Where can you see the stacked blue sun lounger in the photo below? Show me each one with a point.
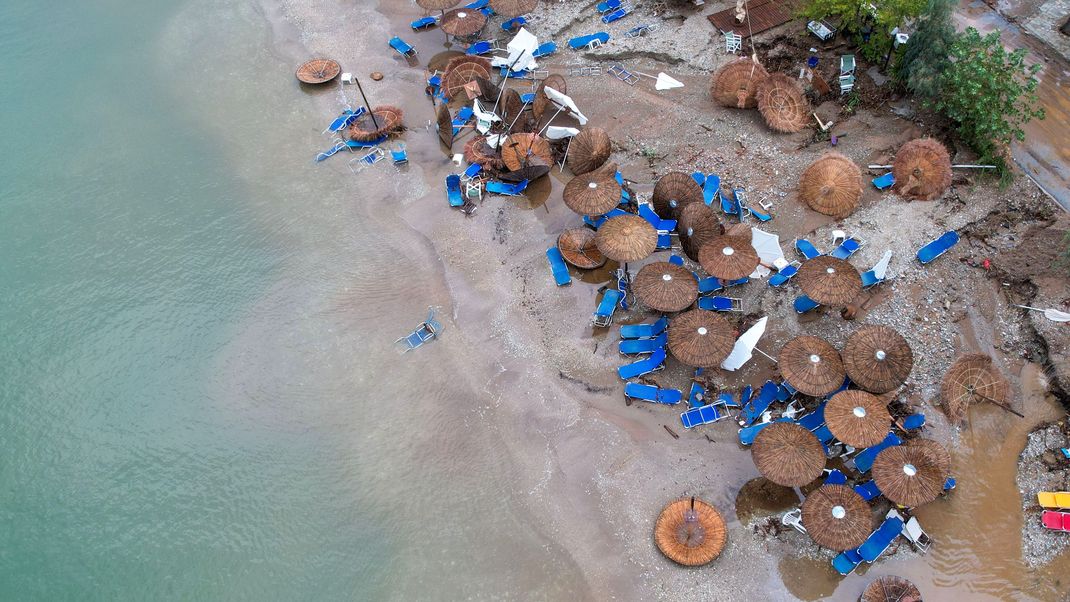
(590, 41)
(603, 315)
(643, 331)
(785, 274)
(558, 267)
(402, 47)
(871, 549)
(720, 304)
(863, 460)
(638, 346)
(848, 247)
(646, 366)
(938, 247)
(652, 393)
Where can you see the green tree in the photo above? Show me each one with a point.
(926, 54)
(868, 24)
(988, 93)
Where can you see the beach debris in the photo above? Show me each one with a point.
(788, 454)
(971, 379)
(380, 121)
(728, 257)
(588, 151)
(563, 102)
(908, 475)
(877, 358)
(427, 330)
(857, 418)
(578, 248)
(526, 150)
(594, 193)
(782, 103)
(891, 588)
(922, 169)
(437, 4)
(1052, 314)
(736, 83)
(836, 517)
(623, 75)
(690, 532)
(745, 345)
(663, 81)
(318, 71)
(376, 75)
(811, 365)
(484, 119)
(700, 338)
(626, 238)
(673, 192)
(832, 185)
(555, 132)
(665, 287)
(479, 151)
(671, 432)
(444, 125)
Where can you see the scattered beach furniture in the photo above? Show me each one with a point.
(863, 461)
(814, 420)
(603, 315)
(1066, 452)
(709, 284)
(807, 248)
(729, 205)
(426, 331)
(471, 171)
(707, 414)
(1056, 521)
(638, 346)
(402, 47)
(711, 188)
(747, 434)
(529, 98)
(884, 182)
(344, 120)
(545, 49)
(846, 562)
(643, 331)
(623, 74)
(677, 260)
(803, 304)
(651, 364)
(514, 23)
(338, 145)
(914, 421)
(917, 536)
(881, 539)
(652, 393)
(399, 156)
(453, 190)
(835, 477)
(661, 225)
(938, 247)
(848, 247)
(617, 14)
(624, 280)
(720, 304)
(822, 30)
(372, 157)
(589, 41)
(424, 23)
(482, 47)
(597, 222)
(756, 406)
(869, 279)
(785, 272)
(847, 73)
(558, 267)
(355, 144)
(664, 241)
(868, 490)
(506, 189)
(733, 42)
(608, 5)
(462, 118)
(793, 519)
(639, 30)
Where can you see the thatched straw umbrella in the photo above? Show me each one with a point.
(690, 532)
(513, 8)
(972, 378)
(626, 238)
(830, 281)
(832, 185)
(836, 517)
(857, 418)
(462, 22)
(437, 4)
(461, 70)
(877, 358)
(936, 452)
(697, 225)
(908, 475)
(534, 170)
(735, 84)
(891, 588)
(728, 257)
(673, 192)
(387, 121)
(445, 125)
(700, 338)
(578, 248)
(783, 104)
(593, 193)
(555, 81)
(478, 151)
(811, 365)
(922, 169)
(589, 150)
(518, 150)
(665, 287)
(788, 454)
(512, 105)
(318, 71)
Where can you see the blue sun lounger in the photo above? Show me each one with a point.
(355, 144)
(879, 540)
(835, 477)
(404, 48)
(653, 394)
(824, 435)
(803, 304)
(339, 145)
(558, 267)
(709, 284)
(514, 23)
(545, 49)
(608, 5)
(495, 187)
(711, 187)
(756, 406)
(864, 459)
(616, 15)
(477, 5)
(938, 247)
(677, 260)
(590, 41)
(661, 225)
(453, 190)
(914, 421)
(699, 177)
(623, 282)
(637, 346)
(462, 118)
(868, 490)
(808, 250)
(346, 119)
(720, 304)
(846, 561)
(814, 420)
(596, 222)
(701, 415)
(848, 247)
(646, 366)
(884, 182)
(527, 98)
(785, 274)
(471, 171)
(424, 23)
(400, 156)
(480, 47)
(603, 315)
(426, 331)
(726, 400)
(747, 435)
(696, 397)
(643, 331)
(729, 206)
(869, 278)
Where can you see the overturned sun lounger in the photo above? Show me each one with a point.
(938, 247)
(426, 331)
(884, 182)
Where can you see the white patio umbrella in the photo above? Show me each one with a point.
(768, 247)
(1052, 314)
(743, 350)
(521, 50)
(881, 267)
(554, 132)
(564, 103)
(484, 119)
(664, 82)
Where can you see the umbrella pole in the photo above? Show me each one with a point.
(520, 112)
(771, 358)
(366, 103)
(1001, 404)
(566, 151)
(559, 109)
(505, 80)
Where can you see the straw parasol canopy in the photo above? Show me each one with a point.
(626, 238)
(782, 103)
(972, 378)
(478, 151)
(857, 418)
(811, 365)
(445, 125)
(387, 121)
(318, 71)
(836, 517)
(555, 81)
(518, 150)
(534, 170)
(690, 532)
(673, 192)
(832, 185)
(461, 70)
(830, 281)
(936, 452)
(437, 4)
(513, 8)
(877, 358)
(589, 150)
(735, 84)
(698, 225)
(788, 454)
(701, 338)
(665, 287)
(908, 475)
(512, 105)
(891, 588)
(728, 257)
(463, 21)
(922, 169)
(578, 248)
(593, 193)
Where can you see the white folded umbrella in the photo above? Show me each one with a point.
(496, 140)
(769, 251)
(565, 103)
(521, 50)
(1052, 314)
(554, 132)
(881, 268)
(484, 119)
(743, 350)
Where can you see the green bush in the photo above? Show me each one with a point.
(867, 24)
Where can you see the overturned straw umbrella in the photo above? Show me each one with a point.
(541, 102)
(697, 225)
(728, 257)
(830, 281)
(437, 4)
(922, 169)
(788, 454)
(512, 105)
(674, 191)
(782, 103)
(589, 150)
(811, 365)
(690, 532)
(936, 452)
(593, 193)
(462, 70)
(832, 185)
(462, 22)
(908, 475)
(386, 120)
(877, 358)
(318, 71)
(626, 238)
(891, 588)
(478, 151)
(735, 84)
(518, 150)
(836, 517)
(444, 124)
(665, 287)
(857, 418)
(513, 8)
(578, 248)
(700, 338)
(972, 378)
